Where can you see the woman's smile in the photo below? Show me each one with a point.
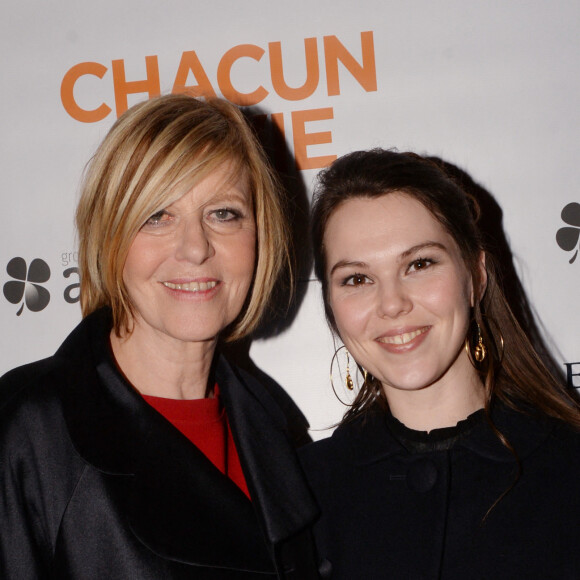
(195, 286)
(402, 342)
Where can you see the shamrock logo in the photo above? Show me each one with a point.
(26, 284)
(567, 238)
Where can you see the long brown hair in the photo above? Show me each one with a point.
(512, 372)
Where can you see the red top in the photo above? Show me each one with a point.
(204, 423)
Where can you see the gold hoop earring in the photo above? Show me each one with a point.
(334, 356)
(479, 352)
(349, 383)
(349, 379)
(476, 348)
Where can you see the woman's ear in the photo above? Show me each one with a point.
(482, 280)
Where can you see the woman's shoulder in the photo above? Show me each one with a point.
(566, 437)
(339, 448)
(321, 462)
(31, 401)
(47, 377)
(535, 438)
(34, 437)
(27, 380)
(524, 421)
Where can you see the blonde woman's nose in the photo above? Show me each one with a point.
(193, 243)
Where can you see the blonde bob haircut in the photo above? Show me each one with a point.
(155, 153)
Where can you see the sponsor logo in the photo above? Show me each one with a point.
(568, 236)
(26, 287)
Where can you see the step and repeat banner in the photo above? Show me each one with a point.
(490, 87)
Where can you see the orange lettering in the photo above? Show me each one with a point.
(312, 71)
(366, 74)
(224, 75)
(302, 139)
(123, 87)
(190, 62)
(67, 92)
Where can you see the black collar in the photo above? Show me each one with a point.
(372, 440)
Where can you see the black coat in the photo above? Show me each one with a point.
(390, 513)
(95, 484)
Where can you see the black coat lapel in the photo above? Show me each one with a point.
(269, 461)
(371, 441)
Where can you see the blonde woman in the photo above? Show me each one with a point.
(137, 450)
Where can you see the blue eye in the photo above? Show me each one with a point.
(225, 214)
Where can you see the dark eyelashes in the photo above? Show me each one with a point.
(427, 262)
(156, 217)
(222, 214)
(352, 277)
(236, 214)
(416, 265)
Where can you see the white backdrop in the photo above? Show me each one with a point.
(490, 86)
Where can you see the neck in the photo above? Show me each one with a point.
(163, 367)
(442, 404)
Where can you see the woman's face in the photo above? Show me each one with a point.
(190, 266)
(399, 291)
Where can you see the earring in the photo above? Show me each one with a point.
(349, 383)
(479, 352)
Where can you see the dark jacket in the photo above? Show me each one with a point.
(94, 483)
(391, 513)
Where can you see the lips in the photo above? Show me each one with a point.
(192, 286)
(403, 338)
(403, 342)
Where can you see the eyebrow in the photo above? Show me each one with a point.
(422, 246)
(403, 256)
(347, 264)
(235, 193)
(228, 195)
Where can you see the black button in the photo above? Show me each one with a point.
(422, 475)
